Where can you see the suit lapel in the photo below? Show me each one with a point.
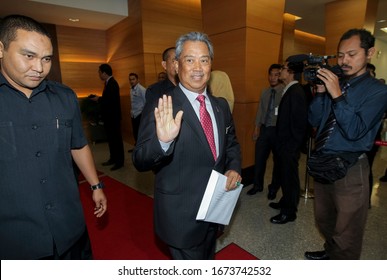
(219, 122)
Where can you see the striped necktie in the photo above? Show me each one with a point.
(329, 126)
(206, 123)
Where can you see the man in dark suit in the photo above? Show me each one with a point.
(157, 90)
(291, 129)
(176, 148)
(111, 115)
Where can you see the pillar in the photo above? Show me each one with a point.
(341, 16)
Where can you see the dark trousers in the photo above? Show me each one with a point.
(263, 146)
(136, 126)
(203, 251)
(81, 250)
(290, 182)
(116, 145)
(341, 212)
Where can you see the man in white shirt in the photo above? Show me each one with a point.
(137, 97)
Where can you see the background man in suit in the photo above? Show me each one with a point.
(291, 128)
(176, 148)
(156, 90)
(161, 76)
(111, 115)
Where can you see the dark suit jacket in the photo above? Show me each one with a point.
(110, 102)
(153, 93)
(183, 171)
(292, 119)
(157, 90)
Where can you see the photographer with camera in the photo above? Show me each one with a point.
(347, 113)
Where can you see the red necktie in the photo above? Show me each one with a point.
(206, 122)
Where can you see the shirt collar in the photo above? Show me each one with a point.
(355, 79)
(289, 85)
(192, 95)
(42, 86)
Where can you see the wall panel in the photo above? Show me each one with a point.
(219, 16)
(265, 15)
(82, 77)
(309, 43)
(335, 25)
(81, 51)
(258, 60)
(81, 44)
(229, 55)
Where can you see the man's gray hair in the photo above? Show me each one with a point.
(194, 36)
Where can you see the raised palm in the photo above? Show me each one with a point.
(167, 127)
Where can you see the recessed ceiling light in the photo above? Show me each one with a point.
(74, 19)
(382, 20)
(384, 29)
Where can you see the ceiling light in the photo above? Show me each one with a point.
(384, 29)
(382, 20)
(74, 19)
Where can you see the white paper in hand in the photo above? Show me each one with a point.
(218, 204)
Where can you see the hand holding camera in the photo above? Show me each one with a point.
(329, 81)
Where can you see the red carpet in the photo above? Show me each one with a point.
(125, 232)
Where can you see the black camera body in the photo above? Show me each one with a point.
(313, 63)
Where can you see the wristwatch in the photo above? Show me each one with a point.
(100, 185)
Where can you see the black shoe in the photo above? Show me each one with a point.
(275, 205)
(254, 190)
(107, 163)
(383, 179)
(271, 195)
(316, 255)
(282, 219)
(116, 166)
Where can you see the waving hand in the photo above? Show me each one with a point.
(167, 127)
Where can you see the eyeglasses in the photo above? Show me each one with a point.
(284, 67)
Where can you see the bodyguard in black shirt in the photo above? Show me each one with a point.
(41, 215)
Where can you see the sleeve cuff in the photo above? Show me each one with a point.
(338, 99)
